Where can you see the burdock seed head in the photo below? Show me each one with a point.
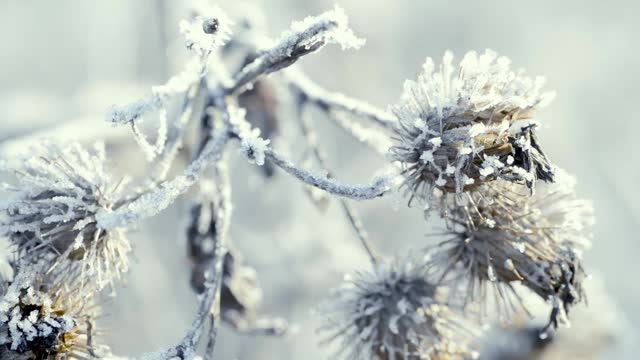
(51, 216)
(462, 126)
(392, 313)
(500, 236)
(42, 322)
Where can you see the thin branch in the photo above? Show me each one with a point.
(213, 335)
(312, 143)
(175, 140)
(377, 188)
(371, 137)
(209, 307)
(302, 38)
(358, 227)
(335, 101)
(85, 129)
(153, 202)
(342, 111)
(187, 347)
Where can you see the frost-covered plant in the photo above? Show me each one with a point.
(461, 126)
(392, 312)
(462, 138)
(50, 215)
(37, 322)
(502, 236)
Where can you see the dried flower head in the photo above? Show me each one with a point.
(51, 216)
(392, 313)
(37, 322)
(501, 236)
(463, 126)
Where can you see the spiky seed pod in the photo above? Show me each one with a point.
(39, 322)
(51, 216)
(392, 313)
(463, 126)
(501, 236)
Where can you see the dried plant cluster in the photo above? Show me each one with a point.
(462, 142)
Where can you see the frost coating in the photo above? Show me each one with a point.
(177, 84)
(254, 147)
(52, 216)
(302, 38)
(330, 27)
(392, 313)
(468, 124)
(503, 236)
(38, 324)
(155, 200)
(378, 187)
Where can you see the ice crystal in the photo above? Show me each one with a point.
(466, 125)
(127, 113)
(392, 312)
(501, 236)
(328, 27)
(254, 147)
(52, 216)
(177, 84)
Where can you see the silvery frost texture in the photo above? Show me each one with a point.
(500, 235)
(40, 322)
(50, 214)
(392, 312)
(462, 139)
(461, 126)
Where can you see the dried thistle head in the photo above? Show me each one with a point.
(463, 126)
(392, 313)
(38, 321)
(501, 236)
(51, 216)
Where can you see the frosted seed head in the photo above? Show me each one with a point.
(533, 240)
(391, 310)
(41, 323)
(51, 218)
(460, 118)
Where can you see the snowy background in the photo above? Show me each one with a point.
(70, 60)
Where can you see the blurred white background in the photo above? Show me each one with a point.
(68, 59)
